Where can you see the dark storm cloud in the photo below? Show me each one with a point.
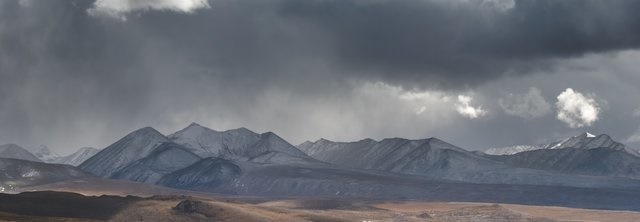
(271, 63)
(468, 42)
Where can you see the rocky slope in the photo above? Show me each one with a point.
(166, 158)
(136, 145)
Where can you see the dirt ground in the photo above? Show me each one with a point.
(177, 205)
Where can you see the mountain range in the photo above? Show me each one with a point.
(242, 162)
(584, 154)
(44, 154)
(583, 141)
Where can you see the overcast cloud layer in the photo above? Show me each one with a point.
(477, 73)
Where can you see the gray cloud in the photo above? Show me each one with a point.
(300, 68)
(449, 42)
(528, 105)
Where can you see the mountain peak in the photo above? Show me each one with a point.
(132, 147)
(441, 144)
(323, 140)
(16, 152)
(589, 135)
(368, 140)
(146, 131)
(242, 130)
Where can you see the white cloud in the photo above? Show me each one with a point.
(528, 105)
(429, 101)
(119, 8)
(465, 109)
(577, 109)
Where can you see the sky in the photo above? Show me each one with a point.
(475, 73)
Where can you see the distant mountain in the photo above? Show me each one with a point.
(46, 155)
(246, 178)
(582, 141)
(583, 154)
(237, 144)
(166, 158)
(77, 157)
(15, 173)
(422, 157)
(434, 158)
(136, 145)
(16, 152)
(229, 177)
(243, 162)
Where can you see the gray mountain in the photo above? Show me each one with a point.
(434, 158)
(77, 157)
(166, 158)
(238, 144)
(136, 145)
(229, 177)
(582, 141)
(16, 152)
(583, 154)
(16, 173)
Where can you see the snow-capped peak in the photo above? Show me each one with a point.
(583, 141)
